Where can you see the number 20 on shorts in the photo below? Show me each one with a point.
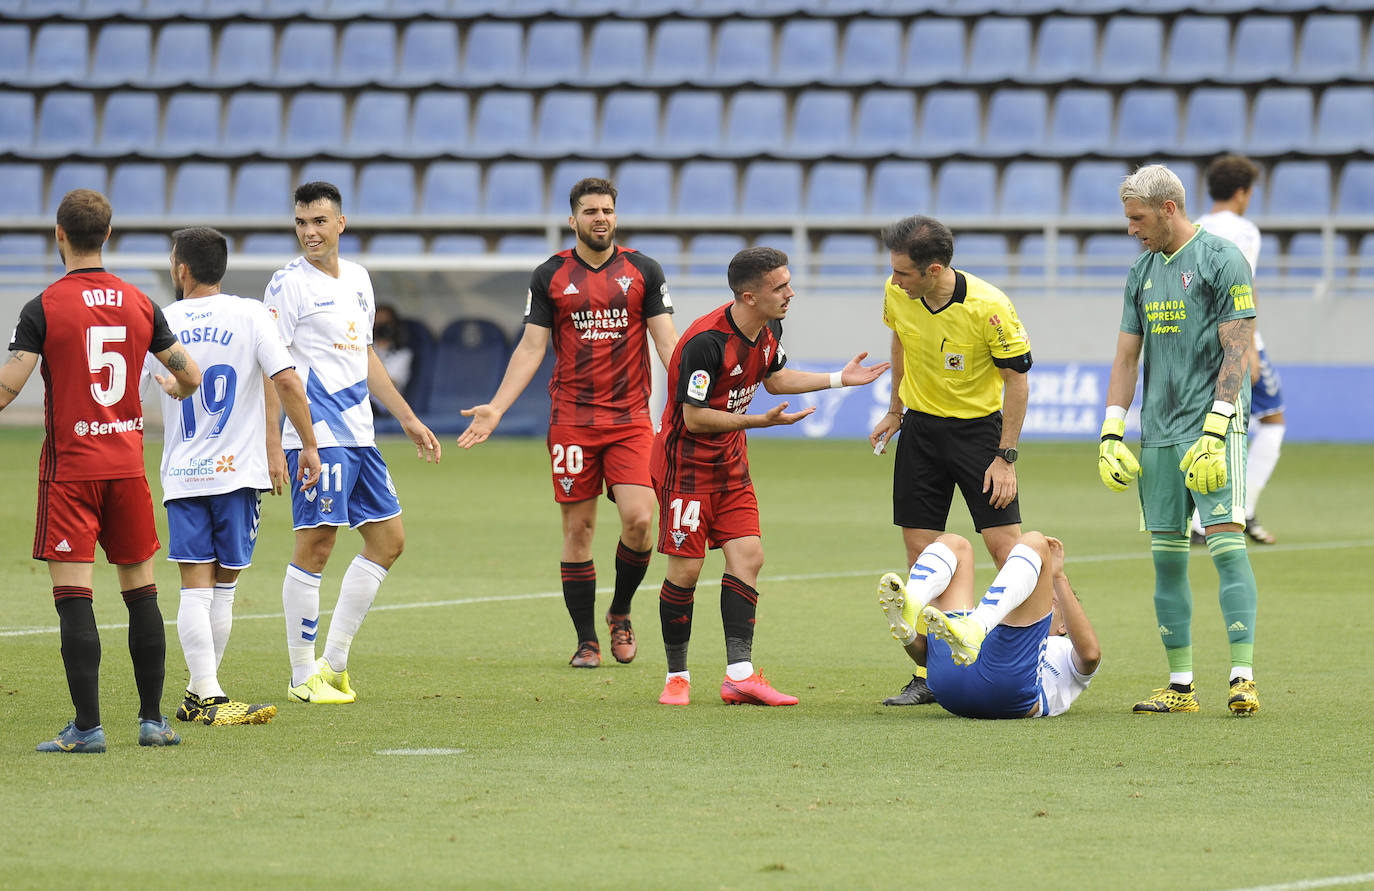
(567, 459)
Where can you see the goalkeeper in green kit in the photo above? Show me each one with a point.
(1189, 315)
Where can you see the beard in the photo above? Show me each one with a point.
(596, 242)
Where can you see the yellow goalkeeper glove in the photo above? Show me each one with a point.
(1205, 461)
(1115, 463)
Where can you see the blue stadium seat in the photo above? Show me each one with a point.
(129, 122)
(1132, 49)
(386, 188)
(663, 248)
(261, 189)
(245, 54)
(629, 122)
(566, 173)
(305, 54)
(1032, 189)
(872, 51)
(1016, 121)
(1264, 48)
(494, 53)
(367, 53)
(706, 188)
(617, 51)
(514, 187)
(744, 52)
(66, 177)
(1067, 48)
(469, 360)
(191, 124)
(396, 243)
(14, 54)
(807, 51)
(458, 244)
(121, 54)
(1365, 269)
(984, 254)
(682, 52)
(1109, 255)
(451, 188)
(1299, 188)
(553, 52)
(1330, 47)
(999, 47)
(692, 121)
(886, 121)
(1355, 192)
(142, 243)
(711, 254)
(757, 121)
(646, 189)
(852, 254)
(782, 241)
(138, 189)
(821, 121)
(899, 188)
(935, 51)
(439, 122)
(950, 122)
(59, 54)
(314, 122)
(965, 188)
(380, 123)
(530, 245)
(1081, 121)
(200, 189)
(183, 53)
(1033, 255)
(566, 122)
(1199, 48)
(1146, 121)
(772, 188)
(16, 120)
(274, 243)
(252, 122)
(1282, 120)
(1345, 119)
(66, 122)
(34, 252)
(340, 173)
(1306, 255)
(836, 189)
(1093, 188)
(21, 187)
(1269, 257)
(429, 53)
(1215, 120)
(503, 121)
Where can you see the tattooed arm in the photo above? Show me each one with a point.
(15, 373)
(1237, 337)
(185, 373)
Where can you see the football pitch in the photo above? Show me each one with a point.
(475, 757)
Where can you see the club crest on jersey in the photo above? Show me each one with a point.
(326, 505)
(225, 464)
(698, 385)
(624, 281)
(678, 537)
(767, 351)
(954, 361)
(1187, 279)
(567, 483)
(352, 330)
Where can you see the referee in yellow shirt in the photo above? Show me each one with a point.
(959, 361)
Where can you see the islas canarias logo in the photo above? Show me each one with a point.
(225, 464)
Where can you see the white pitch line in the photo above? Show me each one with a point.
(419, 751)
(1304, 884)
(799, 577)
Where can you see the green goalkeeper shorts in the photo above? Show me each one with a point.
(1166, 501)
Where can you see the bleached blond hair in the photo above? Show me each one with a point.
(1153, 185)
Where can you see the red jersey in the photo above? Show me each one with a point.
(92, 330)
(713, 366)
(598, 317)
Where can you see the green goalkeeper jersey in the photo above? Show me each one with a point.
(1175, 303)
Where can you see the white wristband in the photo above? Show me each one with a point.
(1116, 413)
(835, 382)
(1224, 408)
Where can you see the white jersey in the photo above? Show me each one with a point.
(1060, 682)
(326, 322)
(215, 441)
(1243, 234)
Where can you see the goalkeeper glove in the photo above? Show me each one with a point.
(1115, 463)
(1205, 461)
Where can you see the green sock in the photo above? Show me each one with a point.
(1180, 659)
(1173, 596)
(1239, 596)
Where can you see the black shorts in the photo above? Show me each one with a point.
(933, 456)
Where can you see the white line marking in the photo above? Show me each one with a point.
(1302, 884)
(706, 583)
(419, 751)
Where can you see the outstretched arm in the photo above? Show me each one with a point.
(854, 374)
(712, 420)
(524, 362)
(185, 373)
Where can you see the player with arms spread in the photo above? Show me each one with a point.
(93, 331)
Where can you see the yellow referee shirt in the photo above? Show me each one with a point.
(950, 355)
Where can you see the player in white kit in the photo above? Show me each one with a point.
(214, 460)
(324, 307)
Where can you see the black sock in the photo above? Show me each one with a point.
(80, 652)
(738, 606)
(147, 649)
(630, 567)
(675, 617)
(579, 596)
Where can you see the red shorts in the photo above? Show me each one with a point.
(689, 523)
(587, 460)
(73, 516)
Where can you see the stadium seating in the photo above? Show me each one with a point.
(191, 125)
(129, 123)
(772, 188)
(844, 253)
(429, 53)
(60, 54)
(553, 53)
(744, 52)
(367, 53)
(469, 360)
(566, 122)
(712, 254)
(1300, 188)
(245, 54)
(21, 187)
(629, 122)
(1031, 189)
(1081, 122)
(1016, 121)
(886, 121)
(68, 176)
(951, 121)
(565, 174)
(451, 188)
(999, 47)
(692, 122)
(66, 122)
(305, 53)
(660, 247)
(706, 188)
(981, 253)
(872, 51)
(262, 189)
(1282, 120)
(1329, 48)
(757, 121)
(807, 51)
(1092, 188)
(439, 122)
(935, 51)
(1215, 120)
(183, 53)
(899, 188)
(1146, 121)
(122, 52)
(1067, 49)
(200, 189)
(681, 52)
(1199, 48)
(1263, 48)
(646, 189)
(14, 54)
(386, 189)
(1345, 119)
(617, 52)
(381, 121)
(965, 188)
(821, 123)
(836, 189)
(493, 53)
(1355, 192)
(252, 122)
(514, 187)
(503, 121)
(1132, 49)
(140, 190)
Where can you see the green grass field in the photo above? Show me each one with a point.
(561, 778)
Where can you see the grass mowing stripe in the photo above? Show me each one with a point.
(1302, 884)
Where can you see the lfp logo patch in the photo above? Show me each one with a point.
(698, 385)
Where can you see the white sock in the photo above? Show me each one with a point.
(738, 671)
(222, 617)
(1181, 677)
(1263, 455)
(359, 588)
(685, 675)
(300, 600)
(1197, 524)
(1245, 672)
(929, 576)
(197, 642)
(1013, 585)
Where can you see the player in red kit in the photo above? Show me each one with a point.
(701, 464)
(596, 302)
(92, 331)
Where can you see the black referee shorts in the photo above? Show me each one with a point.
(936, 454)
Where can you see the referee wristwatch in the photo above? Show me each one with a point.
(1008, 455)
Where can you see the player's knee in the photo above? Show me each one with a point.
(636, 528)
(962, 547)
(1036, 541)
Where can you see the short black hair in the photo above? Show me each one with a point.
(1228, 173)
(924, 240)
(752, 264)
(309, 193)
(591, 185)
(84, 216)
(205, 252)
